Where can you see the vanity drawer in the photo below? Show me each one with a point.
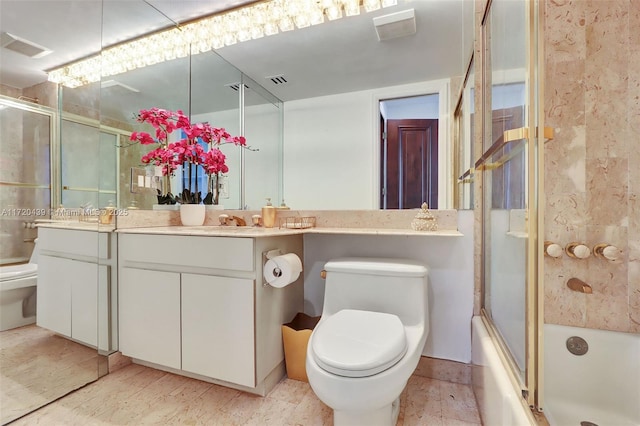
(205, 252)
(70, 242)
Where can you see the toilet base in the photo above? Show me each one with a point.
(384, 416)
(17, 308)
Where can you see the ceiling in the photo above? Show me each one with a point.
(335, 57)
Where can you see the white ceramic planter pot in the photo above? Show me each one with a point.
(192, 214)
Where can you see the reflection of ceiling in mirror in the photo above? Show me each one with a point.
(345, 55)
(335, 57)
(78, 28)
(168, 84)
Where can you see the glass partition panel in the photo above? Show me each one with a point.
(263, 130)
(215, 99)
(107, 172)
(79, 165)
(30, 360)
(40, 363)
(25, 191)
(503, 165)
(165, 86)
(464, 119)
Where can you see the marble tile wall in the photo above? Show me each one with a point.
(592, 178)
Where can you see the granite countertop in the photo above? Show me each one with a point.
(257, 232)
(77, 225)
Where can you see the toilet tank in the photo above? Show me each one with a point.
(395, 286)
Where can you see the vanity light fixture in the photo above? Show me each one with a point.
(209, 33)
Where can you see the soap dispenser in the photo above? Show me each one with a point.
(268, 214)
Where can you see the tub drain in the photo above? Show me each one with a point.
(586, 423)
(577, 346)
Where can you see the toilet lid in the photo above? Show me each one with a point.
(355, 343)
(15, 272)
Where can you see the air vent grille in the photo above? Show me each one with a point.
(22, 46)
(236, 86)
(277, 79)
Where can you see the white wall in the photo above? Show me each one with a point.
(328, 152)
(416, 107)
(263, 132)
(331, 146)
(450, 263)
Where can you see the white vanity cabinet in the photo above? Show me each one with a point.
(196, 305)
(71, 266)
(218, 332)
(149, 315)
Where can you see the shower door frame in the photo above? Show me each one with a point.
(531, 385)
(54, 144)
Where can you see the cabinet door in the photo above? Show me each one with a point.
(68, 298)
(84, 301)
(218, 328)
(53, 308)
(149, 316)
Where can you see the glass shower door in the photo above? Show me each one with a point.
(25, 190)
(508, 173)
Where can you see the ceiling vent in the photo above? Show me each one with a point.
(277, 79)
(395, 25)
(236, 86)
(113, 83)
(22, 46)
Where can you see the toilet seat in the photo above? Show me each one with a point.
(15, 272)
(353, 343)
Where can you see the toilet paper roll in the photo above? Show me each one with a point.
(281, 271)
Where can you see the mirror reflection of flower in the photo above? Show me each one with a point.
(190, 152)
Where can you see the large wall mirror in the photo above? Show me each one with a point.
(327, 81)
(50, 146)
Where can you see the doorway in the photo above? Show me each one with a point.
(409, 152)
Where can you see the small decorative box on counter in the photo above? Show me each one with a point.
(298, 222)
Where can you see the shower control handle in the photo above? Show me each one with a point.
(552, 249)
(578, 250)
(606, 251)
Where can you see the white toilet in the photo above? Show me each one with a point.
(369, 340)
(18, 293)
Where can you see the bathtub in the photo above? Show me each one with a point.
(602, 386)
(498, 400)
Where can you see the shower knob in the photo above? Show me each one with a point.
(552, 249)
(578, 251)
(606, 251)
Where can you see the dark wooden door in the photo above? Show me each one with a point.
(411, 163)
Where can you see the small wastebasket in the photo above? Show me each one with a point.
(295, 337)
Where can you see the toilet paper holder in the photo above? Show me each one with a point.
(267, 255)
